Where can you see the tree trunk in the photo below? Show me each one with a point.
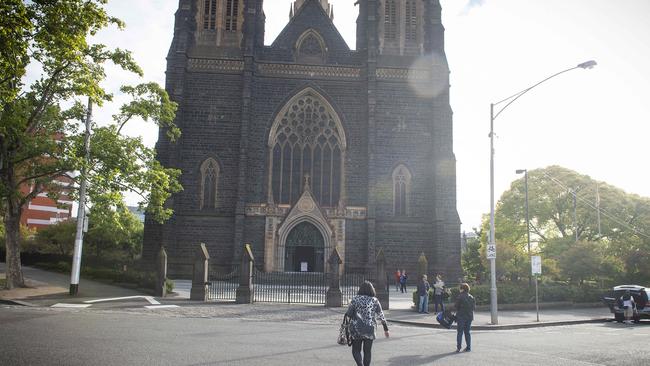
(12, 239)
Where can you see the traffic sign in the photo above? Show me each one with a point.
(536, 264)
(491, 251)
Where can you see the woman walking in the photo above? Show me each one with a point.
(464, 315)
(363, 311)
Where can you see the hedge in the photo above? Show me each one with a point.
(521, 294)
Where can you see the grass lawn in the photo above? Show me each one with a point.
(2, 283)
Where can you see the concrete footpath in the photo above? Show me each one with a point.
(48, 288)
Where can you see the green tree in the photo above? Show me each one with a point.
(472, 261)
(53, 35)
(57, 238)
(604, 252)
(114, 228)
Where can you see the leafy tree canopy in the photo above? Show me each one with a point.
(40, 135)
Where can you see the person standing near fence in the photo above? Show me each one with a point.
(465, 304)
(402, 281)
(438, 292)
(363, 311)
(423, 292)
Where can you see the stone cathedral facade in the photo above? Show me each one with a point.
(307, 145)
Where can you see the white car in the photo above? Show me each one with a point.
(640, 295)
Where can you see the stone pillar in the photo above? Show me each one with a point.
(381, 280)
(199, 289)
(161, 275)
(334, 298)
(245, 289)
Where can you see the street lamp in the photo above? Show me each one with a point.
(492, 243)
(525, 171)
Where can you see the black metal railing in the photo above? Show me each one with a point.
(224, 286)
(350, 283)
(289, 287)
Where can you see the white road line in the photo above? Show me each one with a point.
(154, 307)
(152, 300)
(73, 306)
(148, 298)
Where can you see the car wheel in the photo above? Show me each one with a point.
(619, 317)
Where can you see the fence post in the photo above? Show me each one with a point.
(161, 275)
(334, 298)
(381, 282)
(200, 275)
(245, 290)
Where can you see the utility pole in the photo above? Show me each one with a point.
(81, 211)
(598, 208)
(575, 215)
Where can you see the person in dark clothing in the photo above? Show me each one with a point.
(423, 293)
(465, 304)
(363, 310)
(402, 281)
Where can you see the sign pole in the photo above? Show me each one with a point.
(536, 299)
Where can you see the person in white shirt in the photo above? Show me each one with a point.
(628, 306)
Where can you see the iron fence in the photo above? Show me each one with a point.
(350, 283)
(224, 286)
(289, 287)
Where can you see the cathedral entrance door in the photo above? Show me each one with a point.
(305, 249)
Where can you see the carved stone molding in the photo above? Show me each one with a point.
(403, 74)
(309, 71)
(228, 66)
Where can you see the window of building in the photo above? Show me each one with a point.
(209, 182)
(411, 25)
(232, 13)
(401, 190)
(390, 20)
(311, 47)
(209, 14)
(307, 141)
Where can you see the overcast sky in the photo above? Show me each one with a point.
(593, 121)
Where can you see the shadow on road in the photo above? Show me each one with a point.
(418, 359)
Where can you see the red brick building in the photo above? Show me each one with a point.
(43, 211)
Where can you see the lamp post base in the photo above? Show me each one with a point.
(74, 289)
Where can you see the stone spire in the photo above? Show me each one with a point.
(329, 9)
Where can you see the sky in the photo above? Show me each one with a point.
(596, 122)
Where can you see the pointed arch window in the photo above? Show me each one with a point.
(311, 47)
(209, 184)
(390, 20)
(411, 22)
(401, 190)
(307, 139)
(232, 15)
(209, 14)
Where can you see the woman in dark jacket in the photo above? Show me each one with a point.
(464, 316)
(363, 310)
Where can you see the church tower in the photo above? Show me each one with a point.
(306, 146)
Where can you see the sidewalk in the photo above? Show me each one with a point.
(401, 312)
(48, 288)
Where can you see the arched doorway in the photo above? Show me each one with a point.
(304, 249)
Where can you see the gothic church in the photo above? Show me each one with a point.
(307, 145)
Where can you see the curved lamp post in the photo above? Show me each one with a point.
(491, 243)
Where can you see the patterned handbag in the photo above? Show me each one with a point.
(344, 332)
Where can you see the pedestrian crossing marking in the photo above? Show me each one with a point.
(154, 307)
(71, 306)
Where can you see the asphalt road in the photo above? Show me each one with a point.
(46, 336)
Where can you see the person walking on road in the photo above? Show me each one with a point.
(423, 292)
(363, 311)
(398, 275)
(402, 281)
(465, 304)
(438, 291)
